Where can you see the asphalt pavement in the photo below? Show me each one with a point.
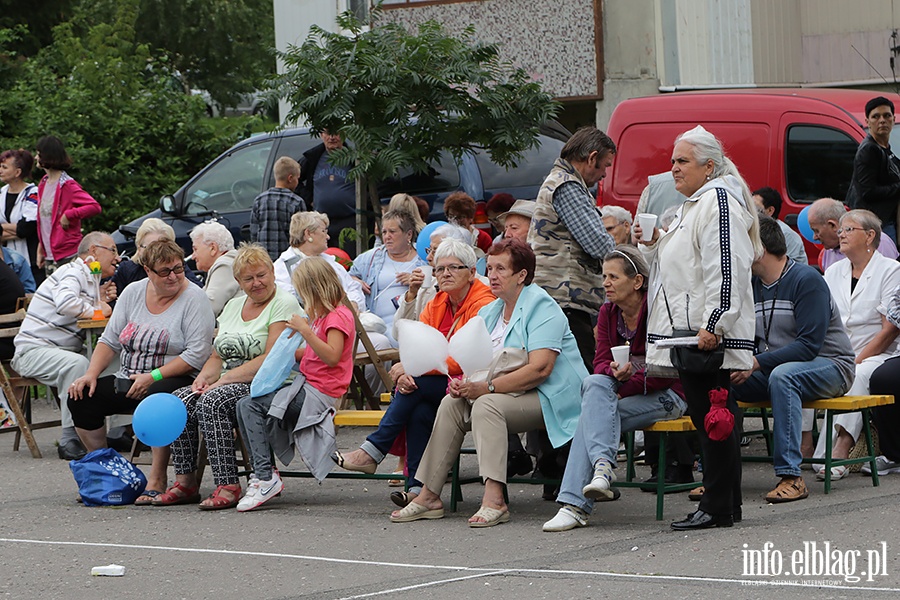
(335, 541)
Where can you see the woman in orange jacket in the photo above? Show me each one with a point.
(416, 400)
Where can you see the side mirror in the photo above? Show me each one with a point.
(167, 204)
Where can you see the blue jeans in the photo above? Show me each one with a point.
(603, 419)
(415, 412)
(786, 387)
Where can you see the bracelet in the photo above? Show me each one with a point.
(156, 375)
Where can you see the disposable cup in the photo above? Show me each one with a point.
(647, 223)
(621, 354)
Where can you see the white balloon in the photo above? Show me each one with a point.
(422, 348)
(471, 346)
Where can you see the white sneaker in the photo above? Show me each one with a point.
(882, 465)
(600, 487)
(568, 517)
(259, 492)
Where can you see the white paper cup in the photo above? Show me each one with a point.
(429, 277)
(647, 223)
(621, 355)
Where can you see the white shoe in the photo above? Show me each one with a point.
(600, 487)
(259, 492)
(568, 517)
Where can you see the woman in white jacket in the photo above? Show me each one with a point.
(700, 281)
(18, 217)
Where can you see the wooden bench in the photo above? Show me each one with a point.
(664, 428)
(833, 406)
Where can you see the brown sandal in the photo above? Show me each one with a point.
(177, 494)
(696, 494)
(218, 501)
(788, 490)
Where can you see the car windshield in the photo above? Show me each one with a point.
(232, 183)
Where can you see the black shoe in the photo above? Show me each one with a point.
(71, 450)
(654, 474)
(701, 520)
(122, 443)
(518, 463)
(737, 516)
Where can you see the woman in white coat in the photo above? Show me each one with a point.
(862, 287)
(700, 281)
(18, 198)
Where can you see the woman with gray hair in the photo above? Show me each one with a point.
(419, 293)
(618, 396)
(214, 253)
(417, 399)
(863, 287)
(701, 275)
(129, 271)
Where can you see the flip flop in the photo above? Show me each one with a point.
(491, 516)
(414, 512)
(149, 495)
(402, 499)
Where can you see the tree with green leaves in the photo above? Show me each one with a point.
(132, 136)
(401, 98)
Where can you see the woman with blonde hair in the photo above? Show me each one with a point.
(326, 366)
(248, 328)
(408, 203)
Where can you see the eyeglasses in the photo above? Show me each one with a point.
(449, 269)
(113, 250)
(849, 229)
(177, 269)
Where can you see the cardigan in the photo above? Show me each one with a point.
(539, 323)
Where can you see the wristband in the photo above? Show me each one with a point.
(157, 376)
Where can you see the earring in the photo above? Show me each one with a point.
(308, 239)
(707, 177)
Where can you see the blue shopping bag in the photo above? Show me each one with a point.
(106, 478)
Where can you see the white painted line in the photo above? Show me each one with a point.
(482, 570)
(424, 585)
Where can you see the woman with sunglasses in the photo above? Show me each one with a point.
(162, 327)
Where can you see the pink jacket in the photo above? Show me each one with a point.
(73, 202)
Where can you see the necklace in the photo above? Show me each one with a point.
(767, 325)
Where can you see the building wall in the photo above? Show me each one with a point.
(553, 41)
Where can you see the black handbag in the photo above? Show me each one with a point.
(691, 359)
(694, 360)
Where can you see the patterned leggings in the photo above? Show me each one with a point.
(213, 413)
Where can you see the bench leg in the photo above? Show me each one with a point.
(455, 487)
(829, 443)
(629, 456)
(870, 446)
(661, 475)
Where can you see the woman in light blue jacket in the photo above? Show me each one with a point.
(544, 393)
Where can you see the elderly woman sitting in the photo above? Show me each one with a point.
(618, 397)
(544, 393)
(129, 271)
(248, 328)
(862, 287)
(414, 405)
(162, 327)
(214, 254)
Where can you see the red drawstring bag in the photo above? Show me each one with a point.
(719, 421)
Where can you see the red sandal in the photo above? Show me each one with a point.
(177, 493)
(218, 501)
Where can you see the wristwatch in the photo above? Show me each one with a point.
(490, 387)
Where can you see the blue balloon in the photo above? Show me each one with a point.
(803, 225)
(424, 239)
(159, 419)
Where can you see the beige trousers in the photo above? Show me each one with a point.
(489, 419)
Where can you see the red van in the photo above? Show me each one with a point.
(799, 141)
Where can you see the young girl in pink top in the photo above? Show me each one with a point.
(326, 367)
